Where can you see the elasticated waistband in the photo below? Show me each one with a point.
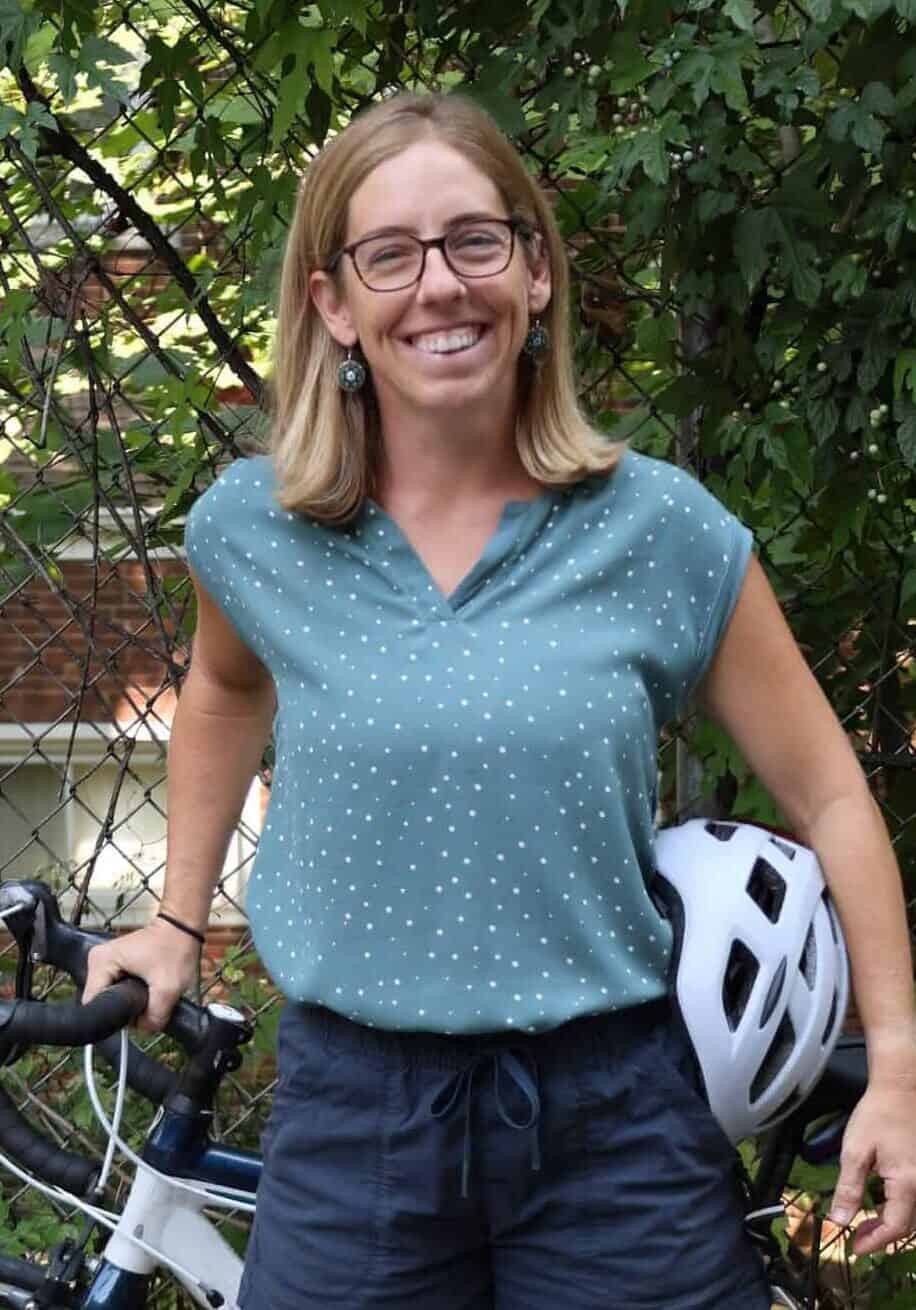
(580, 1038)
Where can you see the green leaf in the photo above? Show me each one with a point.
(684, 395)
(823, 416)
(505, 109)
(17, 23)
(290, 103)
(696, 70)
(905, 372)
(648, 149)
(799, 257)
(10, 120)
(713, 204)
(878, 98)
(741, 13)
(655, 338)
(876, 355)
(316, 49)
(849, 279)
(908, 587)
(906, 439)
(855, 120)
(353, 12)
(753, 233)
(629, 66)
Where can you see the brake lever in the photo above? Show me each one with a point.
(20, 910)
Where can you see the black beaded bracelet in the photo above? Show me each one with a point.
(176, 923)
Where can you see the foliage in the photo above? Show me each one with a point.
(736, 183)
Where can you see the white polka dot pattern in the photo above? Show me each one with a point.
(461, 820)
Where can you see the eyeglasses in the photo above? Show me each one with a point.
(395, 260)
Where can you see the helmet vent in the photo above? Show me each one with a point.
(808, 962)
(740, 975)
(774, 993)
(825, 897)
(767, 889)
(787, 850)
(781, 1047)
(782, 1110)
(831, 1019)
(721, 831)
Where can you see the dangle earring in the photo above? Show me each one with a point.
(352, 374)
(537, 342)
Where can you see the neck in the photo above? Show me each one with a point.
(434, 463)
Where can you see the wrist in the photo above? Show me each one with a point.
(892, 1053)
(181, 926)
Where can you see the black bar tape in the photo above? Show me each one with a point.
(70, 1023)
(144, 1074)
(42, 1157)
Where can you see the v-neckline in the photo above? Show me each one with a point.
(517, 521)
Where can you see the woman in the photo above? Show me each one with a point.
(473, 615)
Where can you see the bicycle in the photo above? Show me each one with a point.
(182, 1170)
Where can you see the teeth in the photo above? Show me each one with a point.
(442, 343)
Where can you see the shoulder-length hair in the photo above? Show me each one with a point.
(325, 441)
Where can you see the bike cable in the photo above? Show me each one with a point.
(112, 1222)
(213, 1193)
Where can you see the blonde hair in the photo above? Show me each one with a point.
(325, 441)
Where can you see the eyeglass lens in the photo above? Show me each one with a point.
(478, 249)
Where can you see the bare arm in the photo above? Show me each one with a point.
(219, 732)
(761, 690)
(220, 728)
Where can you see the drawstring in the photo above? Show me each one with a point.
(522, 1070)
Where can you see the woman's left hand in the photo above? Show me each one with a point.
(880, 1138)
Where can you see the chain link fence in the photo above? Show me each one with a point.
(139, 247)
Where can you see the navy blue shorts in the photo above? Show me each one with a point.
(580, 1167)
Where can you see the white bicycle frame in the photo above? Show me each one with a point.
(170, 1219)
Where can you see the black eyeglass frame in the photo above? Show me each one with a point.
(515, 226)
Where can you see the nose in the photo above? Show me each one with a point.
(438, 280)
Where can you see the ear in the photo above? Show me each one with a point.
(539, 280)
(331, 303)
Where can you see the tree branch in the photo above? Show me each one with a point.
(63, 144)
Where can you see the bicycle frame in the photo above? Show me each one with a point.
(170, 1219)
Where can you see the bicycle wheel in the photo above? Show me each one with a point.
(816, 1254)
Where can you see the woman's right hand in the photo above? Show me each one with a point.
(164, 957)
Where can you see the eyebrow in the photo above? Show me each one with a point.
(392, 230)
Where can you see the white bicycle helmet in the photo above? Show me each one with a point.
(759, 974)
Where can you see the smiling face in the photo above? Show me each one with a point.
(448, 341)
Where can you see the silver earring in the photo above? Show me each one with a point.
(537, 342)
(352, 374)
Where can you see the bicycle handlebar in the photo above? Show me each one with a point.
(32, 915)
(70, 1024)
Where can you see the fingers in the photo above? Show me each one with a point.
(850, 1189)
(158, 1010)
(102, 969)
(131, 955)
(895, 1220)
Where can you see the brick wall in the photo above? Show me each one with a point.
(104, 635)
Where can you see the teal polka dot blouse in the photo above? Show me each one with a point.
(460, 827)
